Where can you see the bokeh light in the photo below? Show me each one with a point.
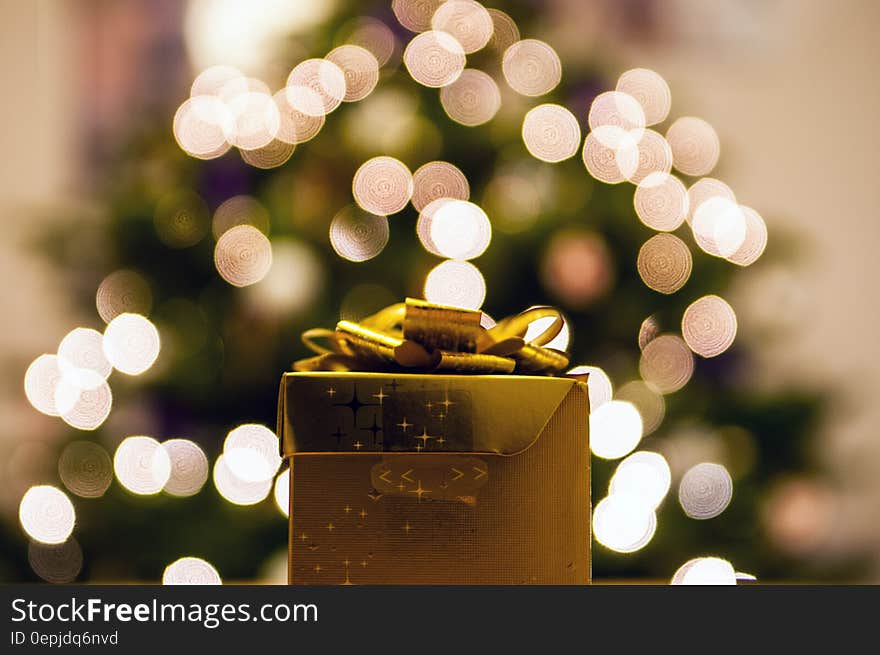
(704, 189)
(664, 263)
(551, 133)
(189, 467)
(459, 230)
(131, 343)
(316, 87)
(46, 514)
(705, 571)
(709, 326)
(504, 31)
(667, 363)
(415, 15)
(719, 226)
(123, 292)
(296, 126)
(531, 67)
(577, 267)
(622, 523)
(56, 563)
(650, 90)
(661, 201)
(617, 110)
(251, 452)
(695, 145)
(240, 210)
(705, 491)
(190, 571)
(142, 465)
(361, 70)
(272, 155)
(91, 407)
(282, 492)
(293, 283)
(644, 475)
(255, 120)
(755, 240)
(438, 179)
(85, 469)
(202, 127)
(467, 21)
(181, 219)
(611, 164)
(357, 235)
(41, 380)
(382, 185)
(243, 255)
(211, 80)
(457, 284)
(373, 35)
(648, 331)
(434, 59)
(655, 156)
(236, 490)
(598, 385)
(615, 429)
(83, 348)
(472, 99)
(647, 400)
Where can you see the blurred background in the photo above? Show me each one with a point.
(104, 212)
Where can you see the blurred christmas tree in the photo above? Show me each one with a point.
(559, 236)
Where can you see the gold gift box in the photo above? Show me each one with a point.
(436, 479)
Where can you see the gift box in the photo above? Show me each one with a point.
(434, 478)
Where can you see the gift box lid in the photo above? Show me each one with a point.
(321, 412)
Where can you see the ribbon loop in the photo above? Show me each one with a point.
(422, 336)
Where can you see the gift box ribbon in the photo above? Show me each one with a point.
(419, 336)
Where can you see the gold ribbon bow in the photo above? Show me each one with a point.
(420, 336)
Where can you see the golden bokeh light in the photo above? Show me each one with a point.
(648, 331)
(425, 221)
(705, 491)
(251, 452)
(661, 201)
(434, 59)
(361, 70)
(255, 120)
(212, 80)
(415, 15)
(645, 475)
(695, 145)
(577, 267)
(240, 210)
(272, 155)
(704, 189)
(531, 67)
(357, 235)
(537, 327)
(375, 36)
(382, 185)
(56, 563)
(467, 21)
(316, 87)
(181, 219)
(91, 407)
(456, 284)
(202, 126)
(459, 230)
(41, 380)
(473, 99)
(83, 349)
(123, 292)
(551, 133)
(705, 571)
(243, 255)
(654, 156)
(46, 514)
(622, 523)
(294, 281)
(755, 240)
(85, 469)
(189, 467)
(598, 385)
(650, 90)
(504, 31)
(618, 110)
(131, 343)
(236, 490)
(667, 363)
(719, 227)
(438, 179)
(282, 492)
(647, 400)
(615, 429)
(294, 125)
(709, 326)
(611, 164)
(190, 571)
(664, 263)
(142, 465)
